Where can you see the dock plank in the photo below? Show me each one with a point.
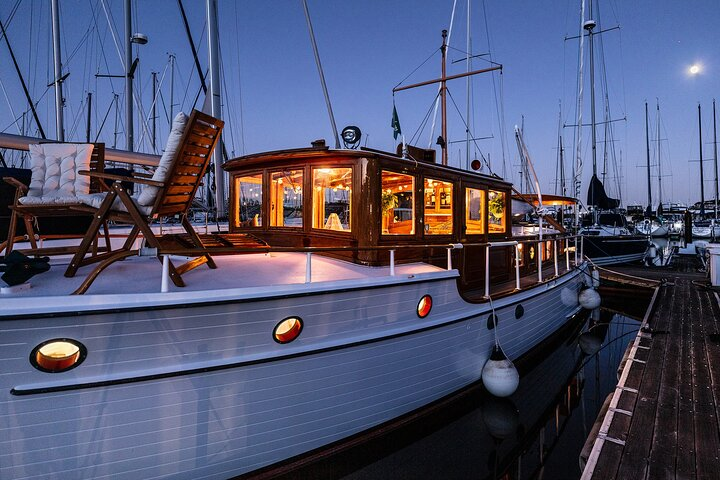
(674, 430)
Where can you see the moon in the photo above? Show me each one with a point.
(694, 69)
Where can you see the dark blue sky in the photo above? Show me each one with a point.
(274, 100)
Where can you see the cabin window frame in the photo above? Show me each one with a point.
(454, 184)
(268, 186)
(237, 224)
(484, 189)
(310, 173)
(414, 190)
(507, 228)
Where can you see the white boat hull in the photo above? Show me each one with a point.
(200, 390)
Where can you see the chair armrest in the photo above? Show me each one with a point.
(120, 178)
(16, 183)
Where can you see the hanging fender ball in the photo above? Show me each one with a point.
(589, 299)
(499, 375)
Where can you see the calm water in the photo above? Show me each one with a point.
(536, 433)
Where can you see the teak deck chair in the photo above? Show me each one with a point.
(170, 192)
(55, 188)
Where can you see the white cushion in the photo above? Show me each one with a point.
(49, 200)
(55, 168)
(149, 193)
(95, 200)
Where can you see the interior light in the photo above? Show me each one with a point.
(424, 306)
(58, 355)
(288, 330)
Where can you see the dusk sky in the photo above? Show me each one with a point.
(273, 98)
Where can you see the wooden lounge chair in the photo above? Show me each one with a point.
(169, 193)
(54, 190)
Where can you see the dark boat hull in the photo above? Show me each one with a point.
(611, 250)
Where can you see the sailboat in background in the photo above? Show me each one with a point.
(607, 237)
(651, 225)
(702, 226)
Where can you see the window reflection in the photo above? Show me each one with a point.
(332, 192)
(398, 204)
(286, 199)
(248, 211)
(474, 211)
(496, 210)
(438, 207)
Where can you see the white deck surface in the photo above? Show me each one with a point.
(144, 274)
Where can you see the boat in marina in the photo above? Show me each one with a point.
(314, 329)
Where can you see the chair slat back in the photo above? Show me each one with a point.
(189, 166)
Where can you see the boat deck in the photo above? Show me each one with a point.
(663, 417)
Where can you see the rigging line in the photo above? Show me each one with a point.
(228, 109)
(11, 15)
(12, 111)
(239, 83)
(102, 56)
(499, 110)
(423, 123)
(466, 126)
(102, 125)
(417, 68)
(440, 86)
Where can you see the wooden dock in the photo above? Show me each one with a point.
(662, 421)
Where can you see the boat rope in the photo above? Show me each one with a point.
(467, 127)
(437, 99)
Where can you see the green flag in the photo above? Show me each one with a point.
(395, 123)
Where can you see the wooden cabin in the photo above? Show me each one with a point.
(318, 197)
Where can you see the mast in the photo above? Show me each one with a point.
(468, 85)
(89, 115)
(214, 61)
(322, 75)
(702, 180)
(57, 71)
(716, 159)
(647, 146)
(129, 134)
(658, 155)
(154, 108)
(589, 25)
(443, 101)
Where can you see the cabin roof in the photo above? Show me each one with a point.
(262, 159)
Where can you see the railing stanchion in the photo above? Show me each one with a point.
(539, 255)
(582, 249)
(164, 282)
(449, 256)
(308, 268)
(487, 271)
(392, 263)
(557, 272)
(576, 250)
(567, 255)
(517, 266)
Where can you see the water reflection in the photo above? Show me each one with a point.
(538, 432)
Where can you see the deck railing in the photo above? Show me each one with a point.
(577, 245)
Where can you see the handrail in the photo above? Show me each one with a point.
(392, 248)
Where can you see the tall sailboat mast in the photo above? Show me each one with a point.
(716, 158)
(589, 25)
(702, 179)
(660, 195)
(57, 71)
(647, 149)
(129, 133)
(214, 61)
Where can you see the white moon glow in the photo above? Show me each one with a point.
(695, 69)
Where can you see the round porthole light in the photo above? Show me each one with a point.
(424, 306)
(288, 330)
(58, 355)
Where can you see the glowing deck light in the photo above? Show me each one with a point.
(424, 306)
(58, 355)
(288, 330)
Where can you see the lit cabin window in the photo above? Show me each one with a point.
(398, 204)
(474, 211)
(332, 194)
(59, 355)
(248, 191)
(288, 330)
(438, 207)
(286, 199)
(496, 210)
